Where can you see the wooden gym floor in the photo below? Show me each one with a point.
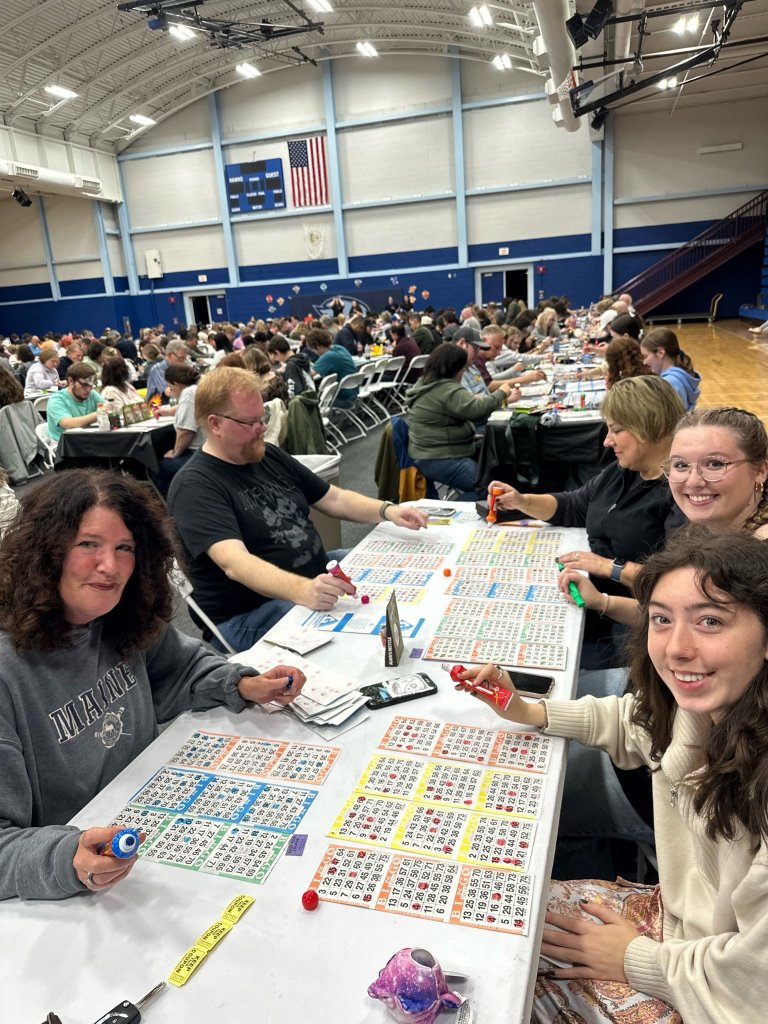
(733, 365)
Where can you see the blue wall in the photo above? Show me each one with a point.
(269, 289)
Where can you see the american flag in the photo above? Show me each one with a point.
(309, 176)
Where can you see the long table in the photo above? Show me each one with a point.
(280, 963)
(145, 443)
(543, 459)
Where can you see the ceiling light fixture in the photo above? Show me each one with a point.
(182, 32)
(668, 83)
(502, 62)
(60, 92)
(247, 70)
(367, 50)
(145, 122)
(321, 5)
(683, 25)
(480, 16)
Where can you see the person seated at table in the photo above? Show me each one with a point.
(690, 948)
(94, 355)
(89, 667)
(115, 386)
(623, 358)
(545, 329)
(25, 358)
(241, 508)
(662, 354)
(181, 386)
(727, 490)
(151, 355)
(73, 354)
(332, 358)
(508, 369)
(442, 417)
(403, 344)
(176, 353)
(11, 390)
(43, 374)
(295, 368)
(75, 406)
(625, 508)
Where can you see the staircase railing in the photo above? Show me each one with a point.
(702, 254)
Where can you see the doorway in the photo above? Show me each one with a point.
(206, 308)
(494, 283)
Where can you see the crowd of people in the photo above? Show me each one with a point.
(672, 692)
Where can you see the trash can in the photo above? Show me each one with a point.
(327, 468)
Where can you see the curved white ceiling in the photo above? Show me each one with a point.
(118, 65)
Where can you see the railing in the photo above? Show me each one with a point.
(703, 253)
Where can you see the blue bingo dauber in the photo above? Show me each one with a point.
(123, 845)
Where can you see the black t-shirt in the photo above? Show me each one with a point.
(264, 504)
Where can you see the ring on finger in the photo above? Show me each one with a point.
(499, 671)
(89, 880)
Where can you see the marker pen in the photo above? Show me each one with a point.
(573, 590)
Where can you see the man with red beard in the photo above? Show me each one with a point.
(241, 509)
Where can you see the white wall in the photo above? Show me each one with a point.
(283, 240)
(173, 189)
(396, 161)
(659, 155)
(401, 228)
(364, 87)
(287, 100)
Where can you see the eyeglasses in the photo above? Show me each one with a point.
(263, 422)
(710, 468)
(86, 384)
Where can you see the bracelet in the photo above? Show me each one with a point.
(604, 609)
(384, 506)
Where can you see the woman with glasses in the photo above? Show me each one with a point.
(691, 948)
(717, 471)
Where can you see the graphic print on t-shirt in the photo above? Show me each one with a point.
(285, 521)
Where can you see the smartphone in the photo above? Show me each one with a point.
(531, 683)
(397, 690)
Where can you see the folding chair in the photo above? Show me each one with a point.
(49, 445)
(366, 398)
(183, 588)
(326, 394)
(339, 415)
(389, 390)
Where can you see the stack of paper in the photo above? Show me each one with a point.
(328, 704)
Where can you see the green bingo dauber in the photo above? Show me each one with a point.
(124, 1013)
(573, 590)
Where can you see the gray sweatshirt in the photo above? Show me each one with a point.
(70, 721)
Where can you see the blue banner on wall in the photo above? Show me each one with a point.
(255, 186)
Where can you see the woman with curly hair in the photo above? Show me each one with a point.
(623, 358)
(89, 665)
(690, 948)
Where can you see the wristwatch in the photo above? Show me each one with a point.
(618, 565)
(384, 506)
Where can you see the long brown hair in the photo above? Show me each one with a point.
(37, 542)
(731, 792)
(663, 337)
(623, 358)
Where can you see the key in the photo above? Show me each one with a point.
(128, 1013)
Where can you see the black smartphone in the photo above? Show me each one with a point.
(530, 682)
(397, 690)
